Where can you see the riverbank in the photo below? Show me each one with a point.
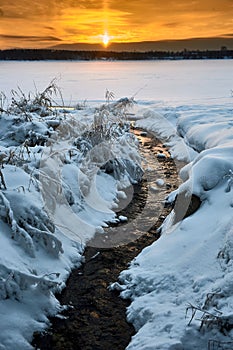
(96, 316)
(180, 287)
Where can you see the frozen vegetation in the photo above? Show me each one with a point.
(181, 286)
(60, 177)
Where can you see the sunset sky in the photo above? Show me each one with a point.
(44, 23)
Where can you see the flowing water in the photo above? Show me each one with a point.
(95, 318)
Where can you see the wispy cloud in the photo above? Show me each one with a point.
(31, 38)
(132, 20)
(172, 24)
(230, 35)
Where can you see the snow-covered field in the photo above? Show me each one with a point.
(188, 271)
(170, 82)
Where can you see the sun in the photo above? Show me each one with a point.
(105, 39)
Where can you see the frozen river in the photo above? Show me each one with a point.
(163, 81)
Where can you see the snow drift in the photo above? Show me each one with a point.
(181, 286)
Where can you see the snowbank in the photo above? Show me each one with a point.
(181, 286)
(56, 189)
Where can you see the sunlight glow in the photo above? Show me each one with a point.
(106, 22)
(105, 39)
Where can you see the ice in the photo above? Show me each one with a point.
(174, 82)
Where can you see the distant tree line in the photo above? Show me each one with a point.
(45, 54)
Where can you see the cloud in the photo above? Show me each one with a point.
(131, 20)
(49, 28)
(172, 24)
(45, 8)
(30, 38)
(87, 26)
(230, 35)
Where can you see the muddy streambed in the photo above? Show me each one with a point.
(95, 318)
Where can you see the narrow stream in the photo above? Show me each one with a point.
(96, 316)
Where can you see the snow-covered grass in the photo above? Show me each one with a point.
(60, 176)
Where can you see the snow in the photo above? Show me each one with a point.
(188, 104)
(182, 267)
(149, 81)
(189, 263)
(54, 195)
(160, 182)
(123, 218)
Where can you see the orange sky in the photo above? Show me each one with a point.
(37, 24)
